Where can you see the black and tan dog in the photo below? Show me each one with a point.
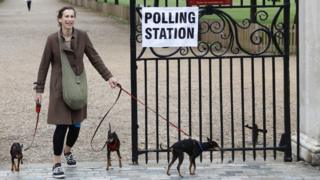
(193, 148)
(16, 153)
(113, 144)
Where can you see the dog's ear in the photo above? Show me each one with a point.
(109, 131)
(209, 140)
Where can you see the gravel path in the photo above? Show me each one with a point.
(22, 39)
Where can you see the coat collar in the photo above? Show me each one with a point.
(74, 40)
(74, 33)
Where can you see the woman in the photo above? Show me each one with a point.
(75, 44)
(28, 4)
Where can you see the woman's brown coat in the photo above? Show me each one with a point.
(58, 111)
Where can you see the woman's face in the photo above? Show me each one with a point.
(67, 19)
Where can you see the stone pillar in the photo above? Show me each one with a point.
(309, 82)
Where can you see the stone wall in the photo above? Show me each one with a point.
(309, 82)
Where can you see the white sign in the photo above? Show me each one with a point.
(170, 26)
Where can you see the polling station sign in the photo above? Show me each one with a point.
(170, 26)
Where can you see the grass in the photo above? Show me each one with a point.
(238, 14)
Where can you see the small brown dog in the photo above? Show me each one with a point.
(113, 144)
(16, 153)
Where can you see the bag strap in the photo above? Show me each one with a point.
(63, 59)
(60, 43)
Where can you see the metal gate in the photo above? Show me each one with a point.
(233, 88)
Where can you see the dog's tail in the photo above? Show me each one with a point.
(168, 149)
(162, 147)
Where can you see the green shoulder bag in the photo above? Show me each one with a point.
(74, 87)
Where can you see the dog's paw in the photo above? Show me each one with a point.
(168, 173)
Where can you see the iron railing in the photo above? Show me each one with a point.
(237, 95)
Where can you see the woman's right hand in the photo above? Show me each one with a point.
(38, 97)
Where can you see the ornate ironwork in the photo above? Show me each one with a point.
(226, 36)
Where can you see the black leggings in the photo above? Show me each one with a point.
(29, 5)
(59, 135)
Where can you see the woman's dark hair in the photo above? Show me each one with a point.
(60, 12)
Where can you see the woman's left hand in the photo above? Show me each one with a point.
(113, 83)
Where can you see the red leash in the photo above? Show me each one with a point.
(141, 102)
(38, 109)
(114, 103)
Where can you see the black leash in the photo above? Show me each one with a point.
(104, 117)
(38, 109)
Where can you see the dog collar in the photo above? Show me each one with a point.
(113, 146)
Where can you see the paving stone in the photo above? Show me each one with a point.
(154, 171)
